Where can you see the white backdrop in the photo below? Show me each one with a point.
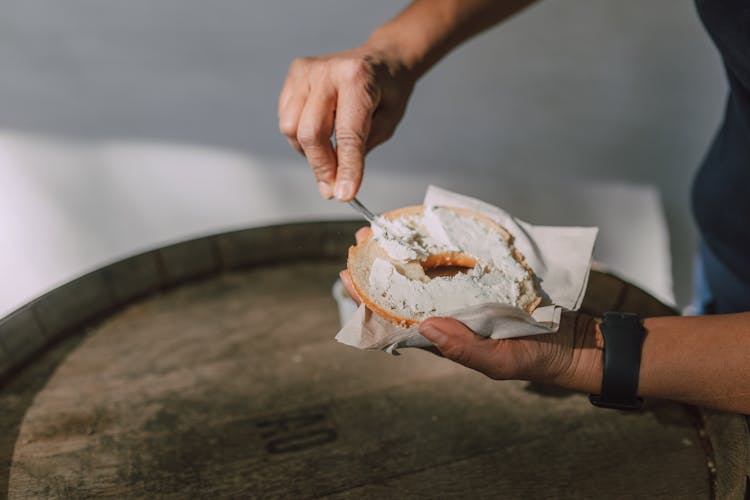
(597, 90)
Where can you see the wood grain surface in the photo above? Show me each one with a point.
(233, 387)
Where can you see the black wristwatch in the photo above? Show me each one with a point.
(623, 339)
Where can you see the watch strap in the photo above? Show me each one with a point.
(623, 341)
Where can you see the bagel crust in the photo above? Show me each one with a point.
(430, 261)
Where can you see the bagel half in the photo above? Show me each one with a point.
(438, 261)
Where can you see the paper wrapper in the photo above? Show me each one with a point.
(559, 256)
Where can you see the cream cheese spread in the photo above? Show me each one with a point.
(496, 278)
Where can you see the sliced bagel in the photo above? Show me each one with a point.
(401, 289)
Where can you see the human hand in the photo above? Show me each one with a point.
(359, 96)
(570, 357)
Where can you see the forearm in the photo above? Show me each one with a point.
(701, 360)
(428, 29)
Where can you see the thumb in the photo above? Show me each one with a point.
(458, 343)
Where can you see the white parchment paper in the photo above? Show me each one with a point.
(559, 256)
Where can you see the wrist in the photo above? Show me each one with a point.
(402, 61)
(586, 363)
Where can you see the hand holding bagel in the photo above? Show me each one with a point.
(569, 358)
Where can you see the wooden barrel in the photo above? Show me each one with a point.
(208, 369)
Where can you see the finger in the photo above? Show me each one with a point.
(346, 280)
(291, 103)
(354, 109)
(362, 234)
(314, 136)
(458, 343)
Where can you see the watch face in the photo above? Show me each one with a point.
(623, 339)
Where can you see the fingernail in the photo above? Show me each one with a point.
(433, 334)
(325, 190)
(344, 190)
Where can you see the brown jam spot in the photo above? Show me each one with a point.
(448, 264)
(450, 271)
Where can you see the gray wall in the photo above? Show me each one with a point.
(596, 89)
